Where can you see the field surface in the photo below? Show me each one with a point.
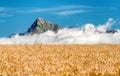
(59, 60)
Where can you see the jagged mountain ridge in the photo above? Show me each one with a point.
(40, 25)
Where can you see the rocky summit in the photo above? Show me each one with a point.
(40, 25)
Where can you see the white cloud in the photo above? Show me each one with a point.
(62, 9)
(53, 9)
(6, 9)
(6, 15)
(107, 25)
(86, 35)
(6, 12)
(69, 12)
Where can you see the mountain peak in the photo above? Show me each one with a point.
(41, 20)
(40, 25)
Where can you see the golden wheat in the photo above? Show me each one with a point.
(59, 60)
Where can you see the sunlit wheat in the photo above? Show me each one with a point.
(60, 60)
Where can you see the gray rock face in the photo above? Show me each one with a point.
(41, 25)
(111, 31)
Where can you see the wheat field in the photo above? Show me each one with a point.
(59, 60)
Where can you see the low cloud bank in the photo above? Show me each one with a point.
(89, 34)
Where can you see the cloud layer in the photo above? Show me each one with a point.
(58, 10)
(89, 34)
(69, 12)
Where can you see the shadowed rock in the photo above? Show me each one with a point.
(111, 31)
(41, 25)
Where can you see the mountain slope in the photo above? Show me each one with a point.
(40, 25)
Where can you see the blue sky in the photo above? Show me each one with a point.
(17, 15)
